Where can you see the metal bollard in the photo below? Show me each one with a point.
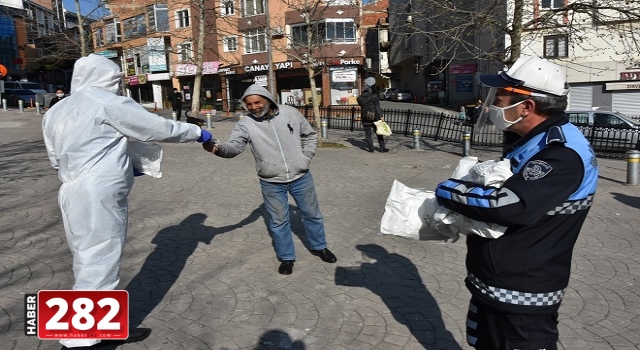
(37, 107)
(208, 120)
(466, 143)
(416, 138)
(174, 115)
(21, 105)
(4, 104)
(324, 125)
(633, 167)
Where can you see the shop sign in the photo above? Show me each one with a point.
(142, 78)
(344, 62)
(284, 65)
(344, 76)
(107, 53)
(133, 80)
(464, 83)
(131, 67)
(632, 85)
(315, 63)
(190, 69)
(630, 75)
(260, 80)
(157, 54)
(464, 68)
(256, 68)
(227, 71)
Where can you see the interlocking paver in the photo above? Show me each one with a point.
(201, 270)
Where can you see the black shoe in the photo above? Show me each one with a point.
(138, 334)
(384, 150)
(286, 267)
(135, 335)
(325, 254)
(370, 150)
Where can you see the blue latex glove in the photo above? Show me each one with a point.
(436, 191)
(205, 136)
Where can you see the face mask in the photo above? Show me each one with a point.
(60, 95)
(496, 116)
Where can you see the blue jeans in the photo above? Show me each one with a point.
(276, 200)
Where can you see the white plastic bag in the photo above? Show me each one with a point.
(489, 173)
(405, 213)
(146, 157)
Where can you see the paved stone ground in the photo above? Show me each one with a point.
(202, 272)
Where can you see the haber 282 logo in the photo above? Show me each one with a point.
(77, 314)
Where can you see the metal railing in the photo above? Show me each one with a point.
(449, 127)
(436, 126)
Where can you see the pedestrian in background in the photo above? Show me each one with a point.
(517, 281)
(370, 112)
(59, 96)
(176, 102)
(282, 143)
(86, 139)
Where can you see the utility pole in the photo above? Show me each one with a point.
(271, 77)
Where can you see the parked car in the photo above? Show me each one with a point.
(402, 95)
(386, 93)
(28, 85)
(607, 130)
(14, 95)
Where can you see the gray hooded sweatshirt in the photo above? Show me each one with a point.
(282, 143)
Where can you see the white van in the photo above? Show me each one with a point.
(28, 85)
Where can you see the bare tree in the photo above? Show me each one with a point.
(309, 44)
(495, 30)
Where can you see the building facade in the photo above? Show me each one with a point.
(247, 42)
(599, 53)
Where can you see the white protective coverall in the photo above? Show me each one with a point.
(86, 137)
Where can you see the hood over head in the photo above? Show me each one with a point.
(96, 71)
(258, 90)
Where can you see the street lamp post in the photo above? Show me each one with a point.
(271, 78)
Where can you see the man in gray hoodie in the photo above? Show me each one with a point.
(283, 143)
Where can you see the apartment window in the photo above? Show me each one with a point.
(299, 34)
(113, 32)
(227, 8)
(255, 41)
(341, 31)
(230, 43)
(331, 30)
(182, 18)
(134, 26)
(552, 4)
(252, 7)
(158, 17)
(555, 46)
(185, 51)
(99, 37)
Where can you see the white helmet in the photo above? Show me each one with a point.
(531, 72)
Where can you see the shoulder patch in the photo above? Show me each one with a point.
(536, 170)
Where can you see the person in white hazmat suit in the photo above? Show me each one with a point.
(86, 137)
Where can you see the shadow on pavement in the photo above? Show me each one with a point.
(161, 269)
(276, 339)
(627, 200)
(395, 279)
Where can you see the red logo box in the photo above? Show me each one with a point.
(83, 314)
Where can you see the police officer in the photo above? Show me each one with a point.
(517, 281)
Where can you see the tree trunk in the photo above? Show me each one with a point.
(83, 45)
(199, 54)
